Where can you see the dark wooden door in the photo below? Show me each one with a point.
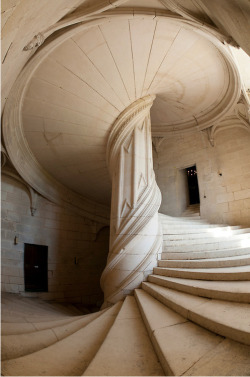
(36, 268)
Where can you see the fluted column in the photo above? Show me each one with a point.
(135, 234)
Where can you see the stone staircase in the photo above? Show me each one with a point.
(192, 316)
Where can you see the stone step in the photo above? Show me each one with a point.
(236, 291)
(191, 216)
(13, 318)
(184, 230)
(68, 357)
(237, 238)
(211, 233)
(225, 273)
(185, 348)
(191, 213)
(127, 349)
(12, 328)
(186, 222)
(168, 247)
(14, 346)
(215, 315)
(19, 305)
(206, 254)
(195, 210)
(23, 308)
(238, 260)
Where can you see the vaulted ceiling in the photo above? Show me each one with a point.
(92, 69)
(81, 87)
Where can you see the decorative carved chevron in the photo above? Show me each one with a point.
(135, 237)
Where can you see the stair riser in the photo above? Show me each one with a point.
(197, 236)
(186, 230)
(207, 263)
(187, 224)
(202, 292)
(202, 247)
(208, 240)
(205, 255)
(203, 275)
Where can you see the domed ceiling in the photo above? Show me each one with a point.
(81, 87)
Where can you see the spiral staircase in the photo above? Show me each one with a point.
(191, 316)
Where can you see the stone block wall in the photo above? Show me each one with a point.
(223, 174)
(67, 236)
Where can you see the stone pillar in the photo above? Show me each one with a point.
(135, 234)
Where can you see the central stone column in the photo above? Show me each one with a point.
(135, 234)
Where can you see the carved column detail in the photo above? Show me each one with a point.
(135, 234)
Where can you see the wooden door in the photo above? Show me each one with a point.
(36, 268)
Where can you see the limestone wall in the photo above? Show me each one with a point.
(224, 198)
(67, 236)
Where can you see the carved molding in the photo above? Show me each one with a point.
(242, 109)
(240, 118)
(230, 122)
(37, 41)
(33, 195)
(72, 19)
(135, 237)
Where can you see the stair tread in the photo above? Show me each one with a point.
(215, 315)
(208, 235)
(204, 247)
(234, 257)
(220, 273)
(239, 260)
(14, 346)
(67, 357)
(183, 346)
(127, 349)
(224, 270)
(229, 286)
(15, 328)
(24, 304)
(237, 291)
(205, 254)
(200, 241)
